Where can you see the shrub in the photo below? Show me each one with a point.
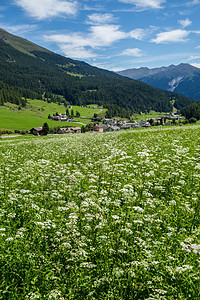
(192, 120)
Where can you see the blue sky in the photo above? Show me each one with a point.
(111, 34)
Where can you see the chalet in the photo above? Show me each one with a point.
(69, 130)
(144, 123)
(107, 129)
(108, 121)
(64, 131)
(99, 128)
(126, 126)
(75, 129)
(115, 128)
(36, 130)
(56, 118)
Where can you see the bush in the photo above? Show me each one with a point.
(192, 120)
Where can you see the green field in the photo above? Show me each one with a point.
(151, 115)
(109, 216)
(36, 114)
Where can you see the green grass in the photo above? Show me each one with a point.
(151, 115)
(76, 75)
(88, 112)
(101, 216)
(36, 114)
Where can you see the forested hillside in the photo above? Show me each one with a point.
(28, 66)
(16, 95)
(191, 111)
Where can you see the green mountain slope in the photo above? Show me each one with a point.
(28, 66)
(20, 44)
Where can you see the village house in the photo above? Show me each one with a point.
(144, 123)
(56, 118)
(115, 128)
(99, 128)
(69, 130)
(64, 131)
(126, 126)
(75, 129)
(36, 130)
(107, 129)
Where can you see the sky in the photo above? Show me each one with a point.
(110, 34)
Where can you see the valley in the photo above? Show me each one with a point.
(36, 113)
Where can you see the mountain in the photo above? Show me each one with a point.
(140, 72)
(35, 71)
(183, 79)
(20, 44)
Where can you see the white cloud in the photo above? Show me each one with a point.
(194, 2)
(98, 19)
(185, 23)
(105, 35)
(18, 29)
(138, 34)
(133, 52)
(196, 65)
(76, 52)
(173, 36)
(155, 4)
(42, 9)
(80, 45)
(99, 36)
(193, 57)
(97, 7)
(196, 31)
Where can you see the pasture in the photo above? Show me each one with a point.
(35, 114)
(101, 216)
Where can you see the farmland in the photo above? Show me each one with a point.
(36, 113)
(101, 216)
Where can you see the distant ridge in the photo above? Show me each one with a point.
(183, 78)
(141, 72)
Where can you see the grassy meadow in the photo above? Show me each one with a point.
(36, 114)
(101, 216)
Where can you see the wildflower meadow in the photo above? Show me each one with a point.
(101, 216)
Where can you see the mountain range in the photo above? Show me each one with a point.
(32, 71)
(183, 78)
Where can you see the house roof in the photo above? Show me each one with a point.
(115, 128)
(101, 125)
(37, 128)
(75, 128)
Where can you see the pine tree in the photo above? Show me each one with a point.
(45, 129)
